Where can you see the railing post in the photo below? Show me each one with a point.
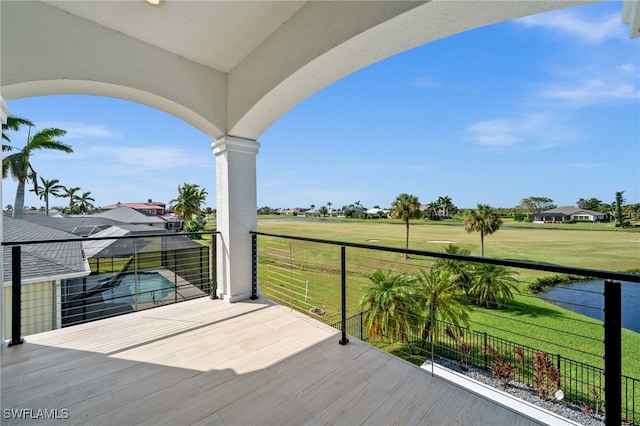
(343, 270)
(16, 296)
(612, 352)
(254, 266)
(213, 276)
(484, 350)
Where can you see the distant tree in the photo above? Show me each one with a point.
(492, 285)
(323, 211)
(70, 193)
(263, 210)
(84, 202)
(461, 271)
(483, 220)
(197, 224)
(633, 210)
(592, 204)
(329, 204)
(619, 214)
(405, 207)
(445, 206)
(189, 202)
(8, 207)
(48, 188)
(536, 204)
(19, 165)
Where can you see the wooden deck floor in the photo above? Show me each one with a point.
(207, 362)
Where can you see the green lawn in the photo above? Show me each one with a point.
(528, 320)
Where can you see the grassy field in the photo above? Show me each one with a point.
(528, 320)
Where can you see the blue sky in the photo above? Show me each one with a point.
(547, 105)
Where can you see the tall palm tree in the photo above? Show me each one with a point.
(386, 303)
(70, 193)
(48, 188)
(19, 163)
(493, 285)
(440, 302)
(189, 202)
(461, 271)
(84, 202)
(405, 207)
(484, 220)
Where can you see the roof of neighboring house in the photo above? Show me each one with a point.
(79, 225)
(148, 205)
(42, 262)
(570, 210)
(130, 215)
(127, 246)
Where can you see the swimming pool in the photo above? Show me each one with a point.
(149, 287)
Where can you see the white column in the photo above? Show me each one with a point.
(4, 113)
(236, 214)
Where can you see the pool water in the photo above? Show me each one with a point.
(150, 287)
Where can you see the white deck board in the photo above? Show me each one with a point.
(208, 362)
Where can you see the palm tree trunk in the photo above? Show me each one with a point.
(481, 244)
(406, 246)
(18, 205)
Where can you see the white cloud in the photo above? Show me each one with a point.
(533, 131)
(79, 130)
(423, 82)
(587, 166)
(574, 25)
(594, 91)
(144, 159)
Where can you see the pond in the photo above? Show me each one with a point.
(587, 298)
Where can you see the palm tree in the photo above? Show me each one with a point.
(48, 188)
(386, 304)
(70, 193)
(493, 285)
(484, 220)
(13, 124)
(19, 163)
(189, 202)
(441, 303)
(446, 206)
(84, 202)
(405, 207)
(460, 270)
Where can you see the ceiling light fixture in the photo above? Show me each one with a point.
(154, 2)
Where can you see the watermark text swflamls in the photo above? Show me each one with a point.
(35, 414)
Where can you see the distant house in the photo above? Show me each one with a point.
(150, 206)
(562, 214)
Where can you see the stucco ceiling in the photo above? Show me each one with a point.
(217, 34)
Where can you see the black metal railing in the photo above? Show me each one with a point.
(327, 282)
(59, 283)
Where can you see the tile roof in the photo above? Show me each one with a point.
(129, 215)
(46, 261)
(570, 210)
